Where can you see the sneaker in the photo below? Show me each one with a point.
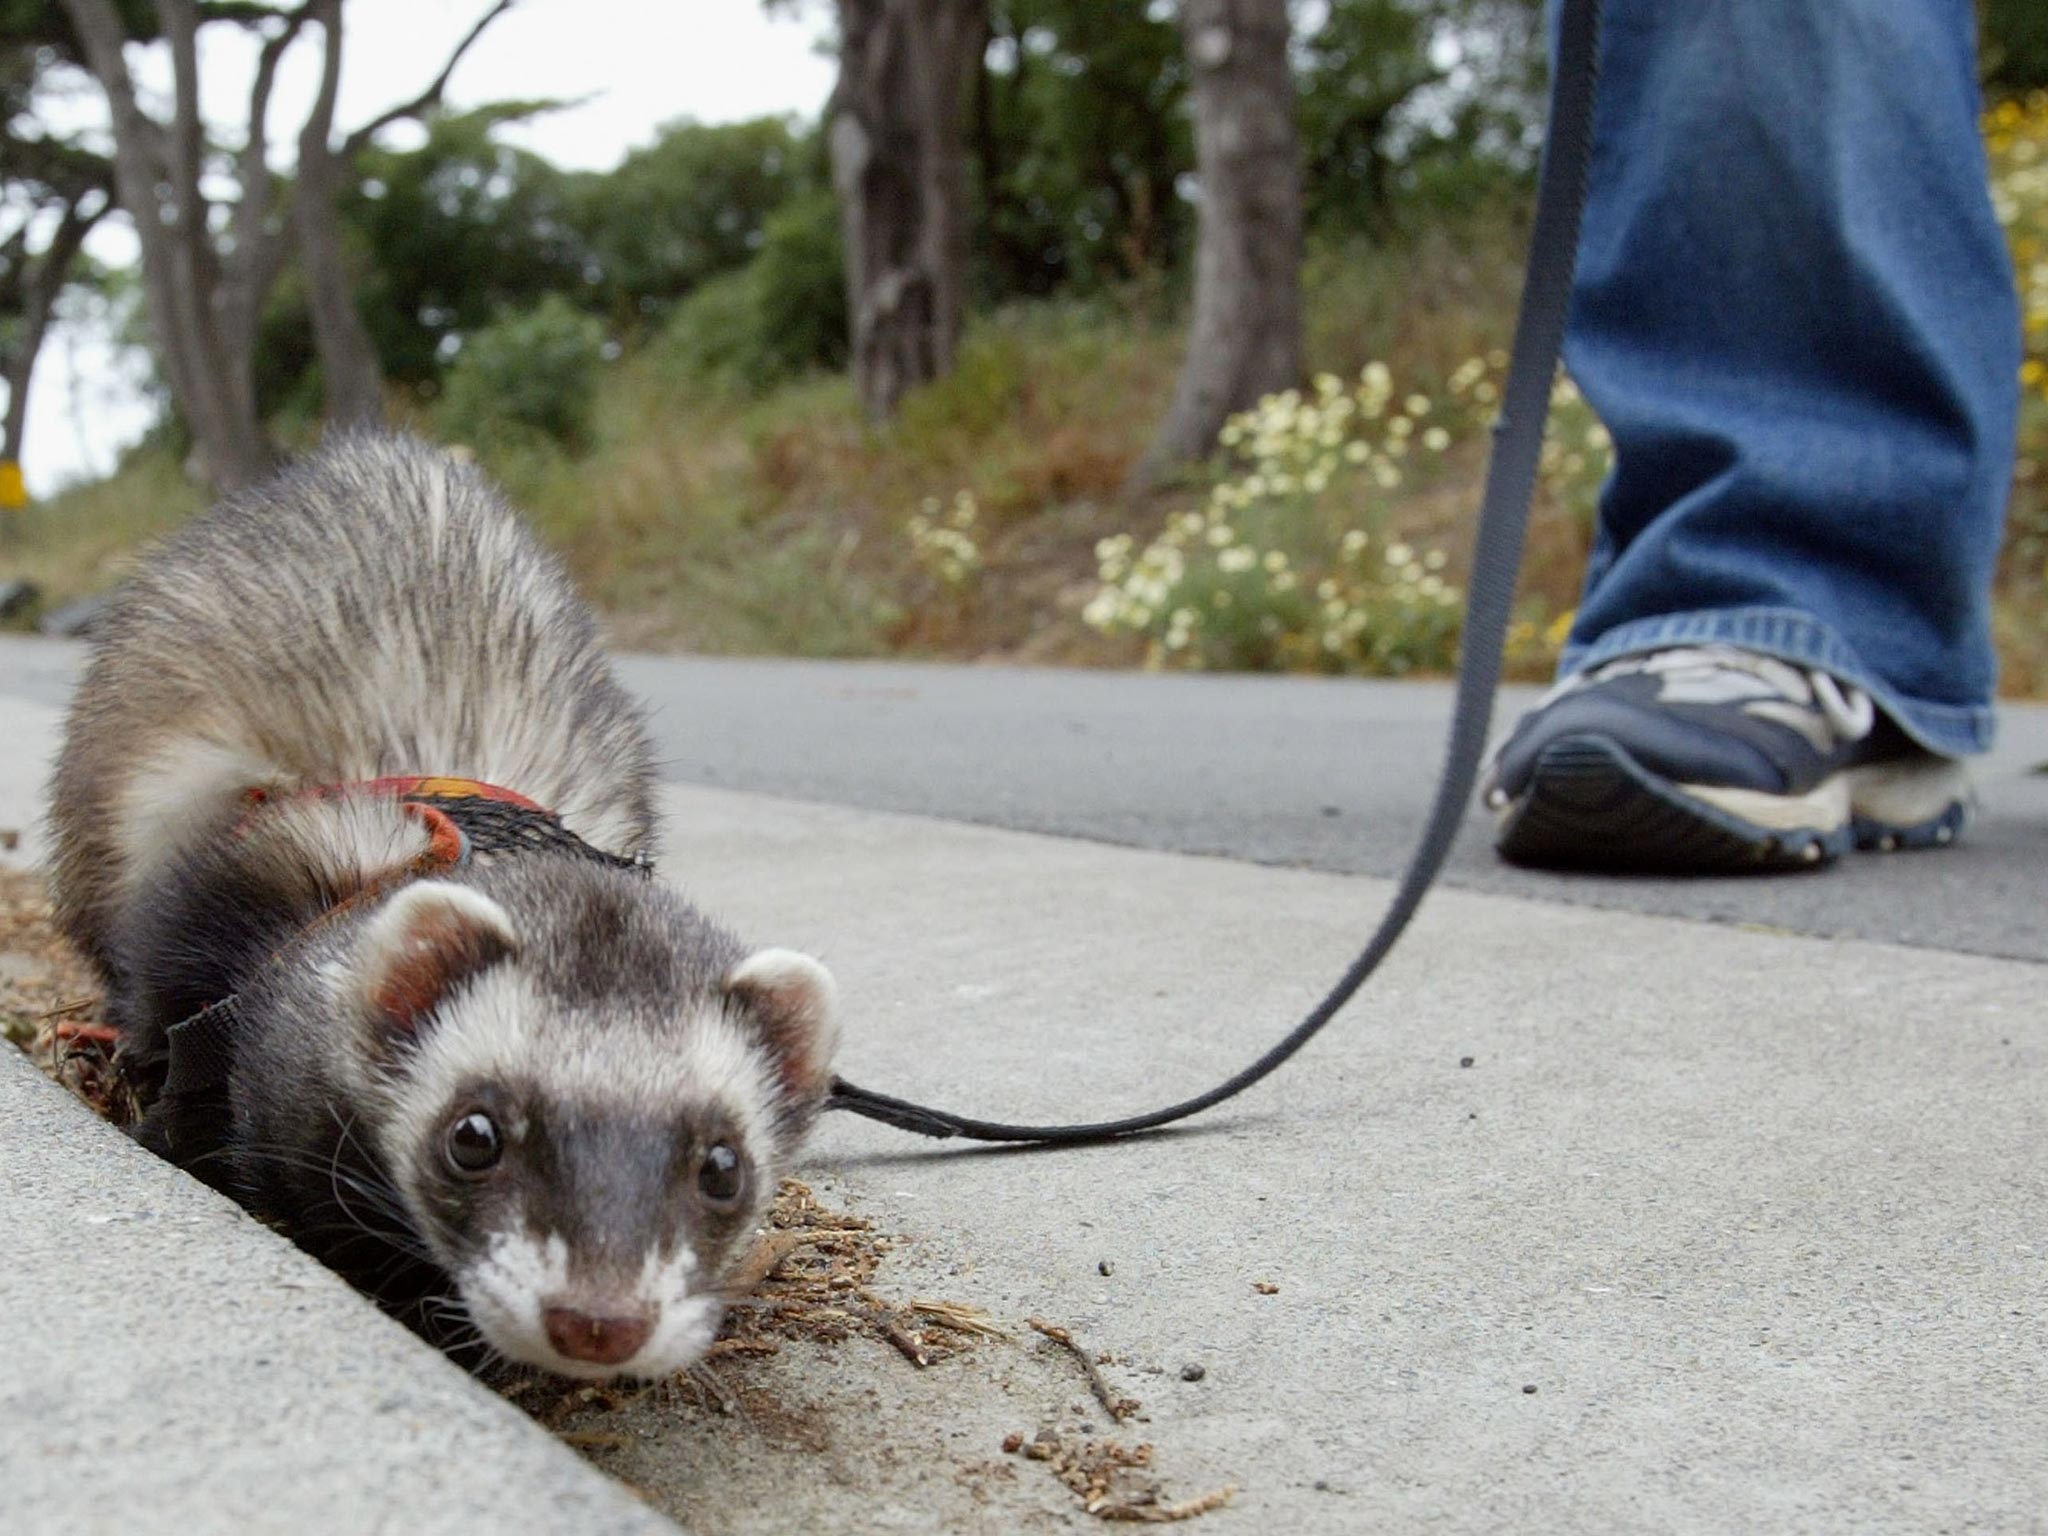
(1710, 758)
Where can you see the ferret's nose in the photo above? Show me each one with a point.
(599, 1340)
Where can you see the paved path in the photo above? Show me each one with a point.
(1762, 1222)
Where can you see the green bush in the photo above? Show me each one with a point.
(692, 206)
(530, 372)
(781, 315)
(800, 287)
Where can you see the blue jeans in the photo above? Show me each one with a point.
(1795, 313)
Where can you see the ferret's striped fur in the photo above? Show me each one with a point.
(629, 1076)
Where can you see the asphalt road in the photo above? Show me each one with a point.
(1323, 774)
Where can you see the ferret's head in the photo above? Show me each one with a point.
(587, 1094)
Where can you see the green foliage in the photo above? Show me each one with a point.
(780, 315)
(2014, 43)
(692, 206)
(800, 281)
(1080, 140)
(1355, 72)
(530, 372)
(456, 231)
(1428, 105)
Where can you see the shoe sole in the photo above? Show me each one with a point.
(1589, 805)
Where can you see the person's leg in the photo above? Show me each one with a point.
(1795, 313)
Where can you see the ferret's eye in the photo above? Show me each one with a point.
(473, 1143)
(719, 1176)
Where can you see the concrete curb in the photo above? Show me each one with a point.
(172, 1365)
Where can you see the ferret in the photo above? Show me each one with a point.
(532, 1101)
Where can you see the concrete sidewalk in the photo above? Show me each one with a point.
(1763, 1220)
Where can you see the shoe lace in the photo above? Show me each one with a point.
(1849, 711)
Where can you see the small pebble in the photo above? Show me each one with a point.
(1466, 1061)
(1013, 1443)
(1265, 1288)
(1104, 1267)
(1193, 1372)
(1529, 1387)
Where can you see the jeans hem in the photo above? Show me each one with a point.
(1952, 730)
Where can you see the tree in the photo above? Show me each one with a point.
(692, 205)
(351, 379)
(2015, 43)
(1081, 141)
(206, 278)
(456, 231)
(54, 191)
(1245, 340)
(203, 293)
(1359, 68)
(898, 138)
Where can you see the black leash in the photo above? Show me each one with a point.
(1496, 562)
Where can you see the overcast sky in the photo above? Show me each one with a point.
(632, 64)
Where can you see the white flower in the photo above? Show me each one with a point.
(1436, 439)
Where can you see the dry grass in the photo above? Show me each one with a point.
(50, 1001)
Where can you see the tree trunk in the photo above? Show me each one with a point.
(351, 379)
(41, 282)
(899, 165)
(203, 317)
(1245, 340)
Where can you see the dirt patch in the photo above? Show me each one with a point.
(1113, 1481)
(50, 1000)
(867, 1394)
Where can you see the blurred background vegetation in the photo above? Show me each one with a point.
(655, 358)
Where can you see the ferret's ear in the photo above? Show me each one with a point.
(795, 1003)
(428, 938)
